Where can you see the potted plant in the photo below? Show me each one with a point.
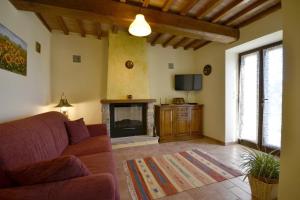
(262, 170)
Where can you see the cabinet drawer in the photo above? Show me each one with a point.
(182, 114)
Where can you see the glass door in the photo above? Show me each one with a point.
(260, 97)
(272, 105)
(249, 97)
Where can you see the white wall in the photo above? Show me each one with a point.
(213, 93)
(22, 96)
(290, 175)
(161, 78)
(83, 83)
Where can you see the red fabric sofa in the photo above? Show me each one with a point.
(44, 137)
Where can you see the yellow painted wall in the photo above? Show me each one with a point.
(86, 83)
(289, 159)
(161, 78)
(83, 83)
(22, 96)
(120, 80)
(213, 93)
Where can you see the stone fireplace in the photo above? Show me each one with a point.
(125, 118)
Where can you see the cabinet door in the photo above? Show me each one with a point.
(182, 121)
(166, 126)
(196, 120)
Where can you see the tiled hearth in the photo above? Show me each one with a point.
(106, 115)
(133, 141)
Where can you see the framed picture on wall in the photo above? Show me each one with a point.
(13, 52)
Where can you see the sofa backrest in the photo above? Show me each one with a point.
(40, 137)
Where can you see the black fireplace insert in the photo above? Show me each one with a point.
(128, 119)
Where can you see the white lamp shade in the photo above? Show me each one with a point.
(139, 27)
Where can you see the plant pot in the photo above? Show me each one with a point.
(261, 190)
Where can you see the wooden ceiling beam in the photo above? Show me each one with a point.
(202, 44)
(146, 3)
(188, 7)
(81, 28)
(113, 12)
(98, 30)
(42, 19)
(167, 5)
(190, 44)
(155, 39)
(123, 1)
(244, 11)
(63, 25)
(167, 42)
(207, 8)
(219, 15)
(180, 42)
(260, 15)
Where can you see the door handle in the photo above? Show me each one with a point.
(262, 103)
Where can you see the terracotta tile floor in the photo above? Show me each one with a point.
(228, 190)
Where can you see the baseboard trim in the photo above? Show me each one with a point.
(220, 142)
(215, 140)
(231, 143)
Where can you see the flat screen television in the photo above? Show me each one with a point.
(188, 82)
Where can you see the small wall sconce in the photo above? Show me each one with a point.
(64, 105)
(38, 47)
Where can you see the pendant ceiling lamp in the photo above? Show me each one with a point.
(139, 27)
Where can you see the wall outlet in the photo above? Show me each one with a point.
(171, 65)
(76, 58)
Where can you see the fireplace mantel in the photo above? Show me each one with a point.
(110, 101)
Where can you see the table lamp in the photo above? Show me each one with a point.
(63, 105)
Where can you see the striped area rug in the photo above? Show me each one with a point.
(159, 176)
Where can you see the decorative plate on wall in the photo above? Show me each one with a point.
(207, 70)
(129, 64)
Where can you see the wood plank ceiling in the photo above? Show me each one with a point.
(190, 24)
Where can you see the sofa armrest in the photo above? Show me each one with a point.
(95, 187)
(97, 129)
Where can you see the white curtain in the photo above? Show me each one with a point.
(272, 110)
(249, 97)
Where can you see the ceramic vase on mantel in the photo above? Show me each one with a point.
(261, 190)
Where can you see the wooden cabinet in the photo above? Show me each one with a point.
(181, 121)
(178, 122)
(167, 121)
(196, 120)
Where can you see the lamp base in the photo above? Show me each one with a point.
(65, 113)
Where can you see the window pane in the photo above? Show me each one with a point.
(272, 114)
(248, 97)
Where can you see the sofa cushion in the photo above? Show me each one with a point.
(59, 169)
(97, 129)
(77, 131)
(90, 145)
(55, 123)
(5, 180)
(96, 187)
(102, 163)
(30, 140)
